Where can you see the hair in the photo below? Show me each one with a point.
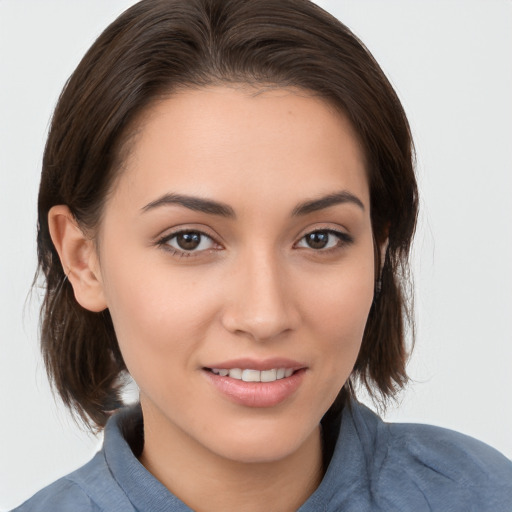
(159, 46)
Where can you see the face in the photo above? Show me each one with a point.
(236, 259)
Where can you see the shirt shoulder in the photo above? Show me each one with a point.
(444, 469)
(462, 458)
(91, 488)
(62, 495)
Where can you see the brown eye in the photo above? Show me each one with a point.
(189, 241)
(324, 239)
(317, 239)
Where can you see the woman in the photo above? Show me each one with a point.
(226, 209)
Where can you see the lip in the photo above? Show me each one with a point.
(257, 394)
(258, 364)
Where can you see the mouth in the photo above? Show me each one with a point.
(255, 383)
(250, 375)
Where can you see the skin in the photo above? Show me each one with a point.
(253, 288)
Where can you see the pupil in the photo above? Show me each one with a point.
(317, 240)
(188, 241)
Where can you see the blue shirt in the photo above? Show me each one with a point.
(373, 466)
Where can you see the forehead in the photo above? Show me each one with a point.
(241, 142)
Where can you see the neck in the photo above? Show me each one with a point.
(206, 481)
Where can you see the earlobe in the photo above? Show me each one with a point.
(78, 257)
(383, 250)
(383, 254)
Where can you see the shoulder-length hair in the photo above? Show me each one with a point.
(159, 46)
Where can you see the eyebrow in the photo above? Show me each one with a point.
(321, 203)
(212, 207)
(198, 204)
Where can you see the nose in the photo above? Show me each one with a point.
(260, 304)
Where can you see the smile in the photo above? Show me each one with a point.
(249, 375)
(268, 387)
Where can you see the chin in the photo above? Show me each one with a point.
(262, 445)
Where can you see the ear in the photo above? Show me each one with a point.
(78, 257)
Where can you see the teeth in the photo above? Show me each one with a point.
(249, 375)
(268, 375)
(235, 373)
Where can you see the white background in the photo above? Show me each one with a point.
(451, 63)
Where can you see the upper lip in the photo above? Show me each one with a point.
(258, 364)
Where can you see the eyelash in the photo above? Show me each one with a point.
(164, 243)
(344, 240)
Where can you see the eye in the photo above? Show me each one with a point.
(324, 239)
(185, 242)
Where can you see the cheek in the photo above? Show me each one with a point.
(342, 300)
(156, 313)
(337, 315)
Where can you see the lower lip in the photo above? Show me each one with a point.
(256, 394)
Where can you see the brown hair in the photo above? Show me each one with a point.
(154, 48)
